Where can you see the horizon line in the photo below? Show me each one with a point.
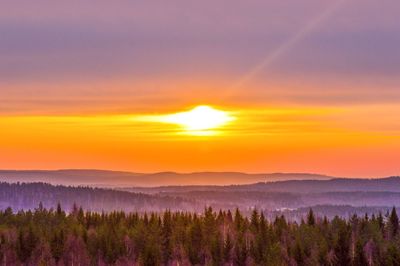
(196, 172)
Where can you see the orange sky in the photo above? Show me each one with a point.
(313, 85)
(344, 141)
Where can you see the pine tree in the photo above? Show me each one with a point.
(26, 243)
(195, 242)
(394, 222)
(228, 245)
(238, 220)
(393, 255)
(216, 250)
(254, 221)
(380, 221)
(342, 246)
(240, 253)
(46, 237)
(298, 254)
(359, 258)
(57, 245)
(311, 218)
(166, 237)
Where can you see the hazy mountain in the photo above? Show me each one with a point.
(269, 196)
(388, 184)
(121, 179)
(289, 194)
(28, 196)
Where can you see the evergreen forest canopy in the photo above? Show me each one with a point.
(53, 237)
(272, 201)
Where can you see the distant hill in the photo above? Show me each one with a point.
(293, 194)
(27, 196)
(388, 184)
(105, 178)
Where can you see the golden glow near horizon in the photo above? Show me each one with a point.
(202, 120)
(209, 138)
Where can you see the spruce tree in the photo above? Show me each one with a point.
(228, 245)
(311, 218)
(394, 222)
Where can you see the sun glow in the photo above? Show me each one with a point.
(202, 120)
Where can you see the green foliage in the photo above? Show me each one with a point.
(57, 244)
(359, 258)
(26, 243)
(311, 218)
(53, 237)
(393, 255)
(394, 222)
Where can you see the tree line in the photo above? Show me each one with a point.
(27, 196)
(54, 237)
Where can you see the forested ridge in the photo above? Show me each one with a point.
(26, 196)
(54, 237)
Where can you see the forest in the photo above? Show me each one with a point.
(77, 237)
(26, 196)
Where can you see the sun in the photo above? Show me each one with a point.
(201, 120)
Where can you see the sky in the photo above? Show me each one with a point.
(313, 86)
